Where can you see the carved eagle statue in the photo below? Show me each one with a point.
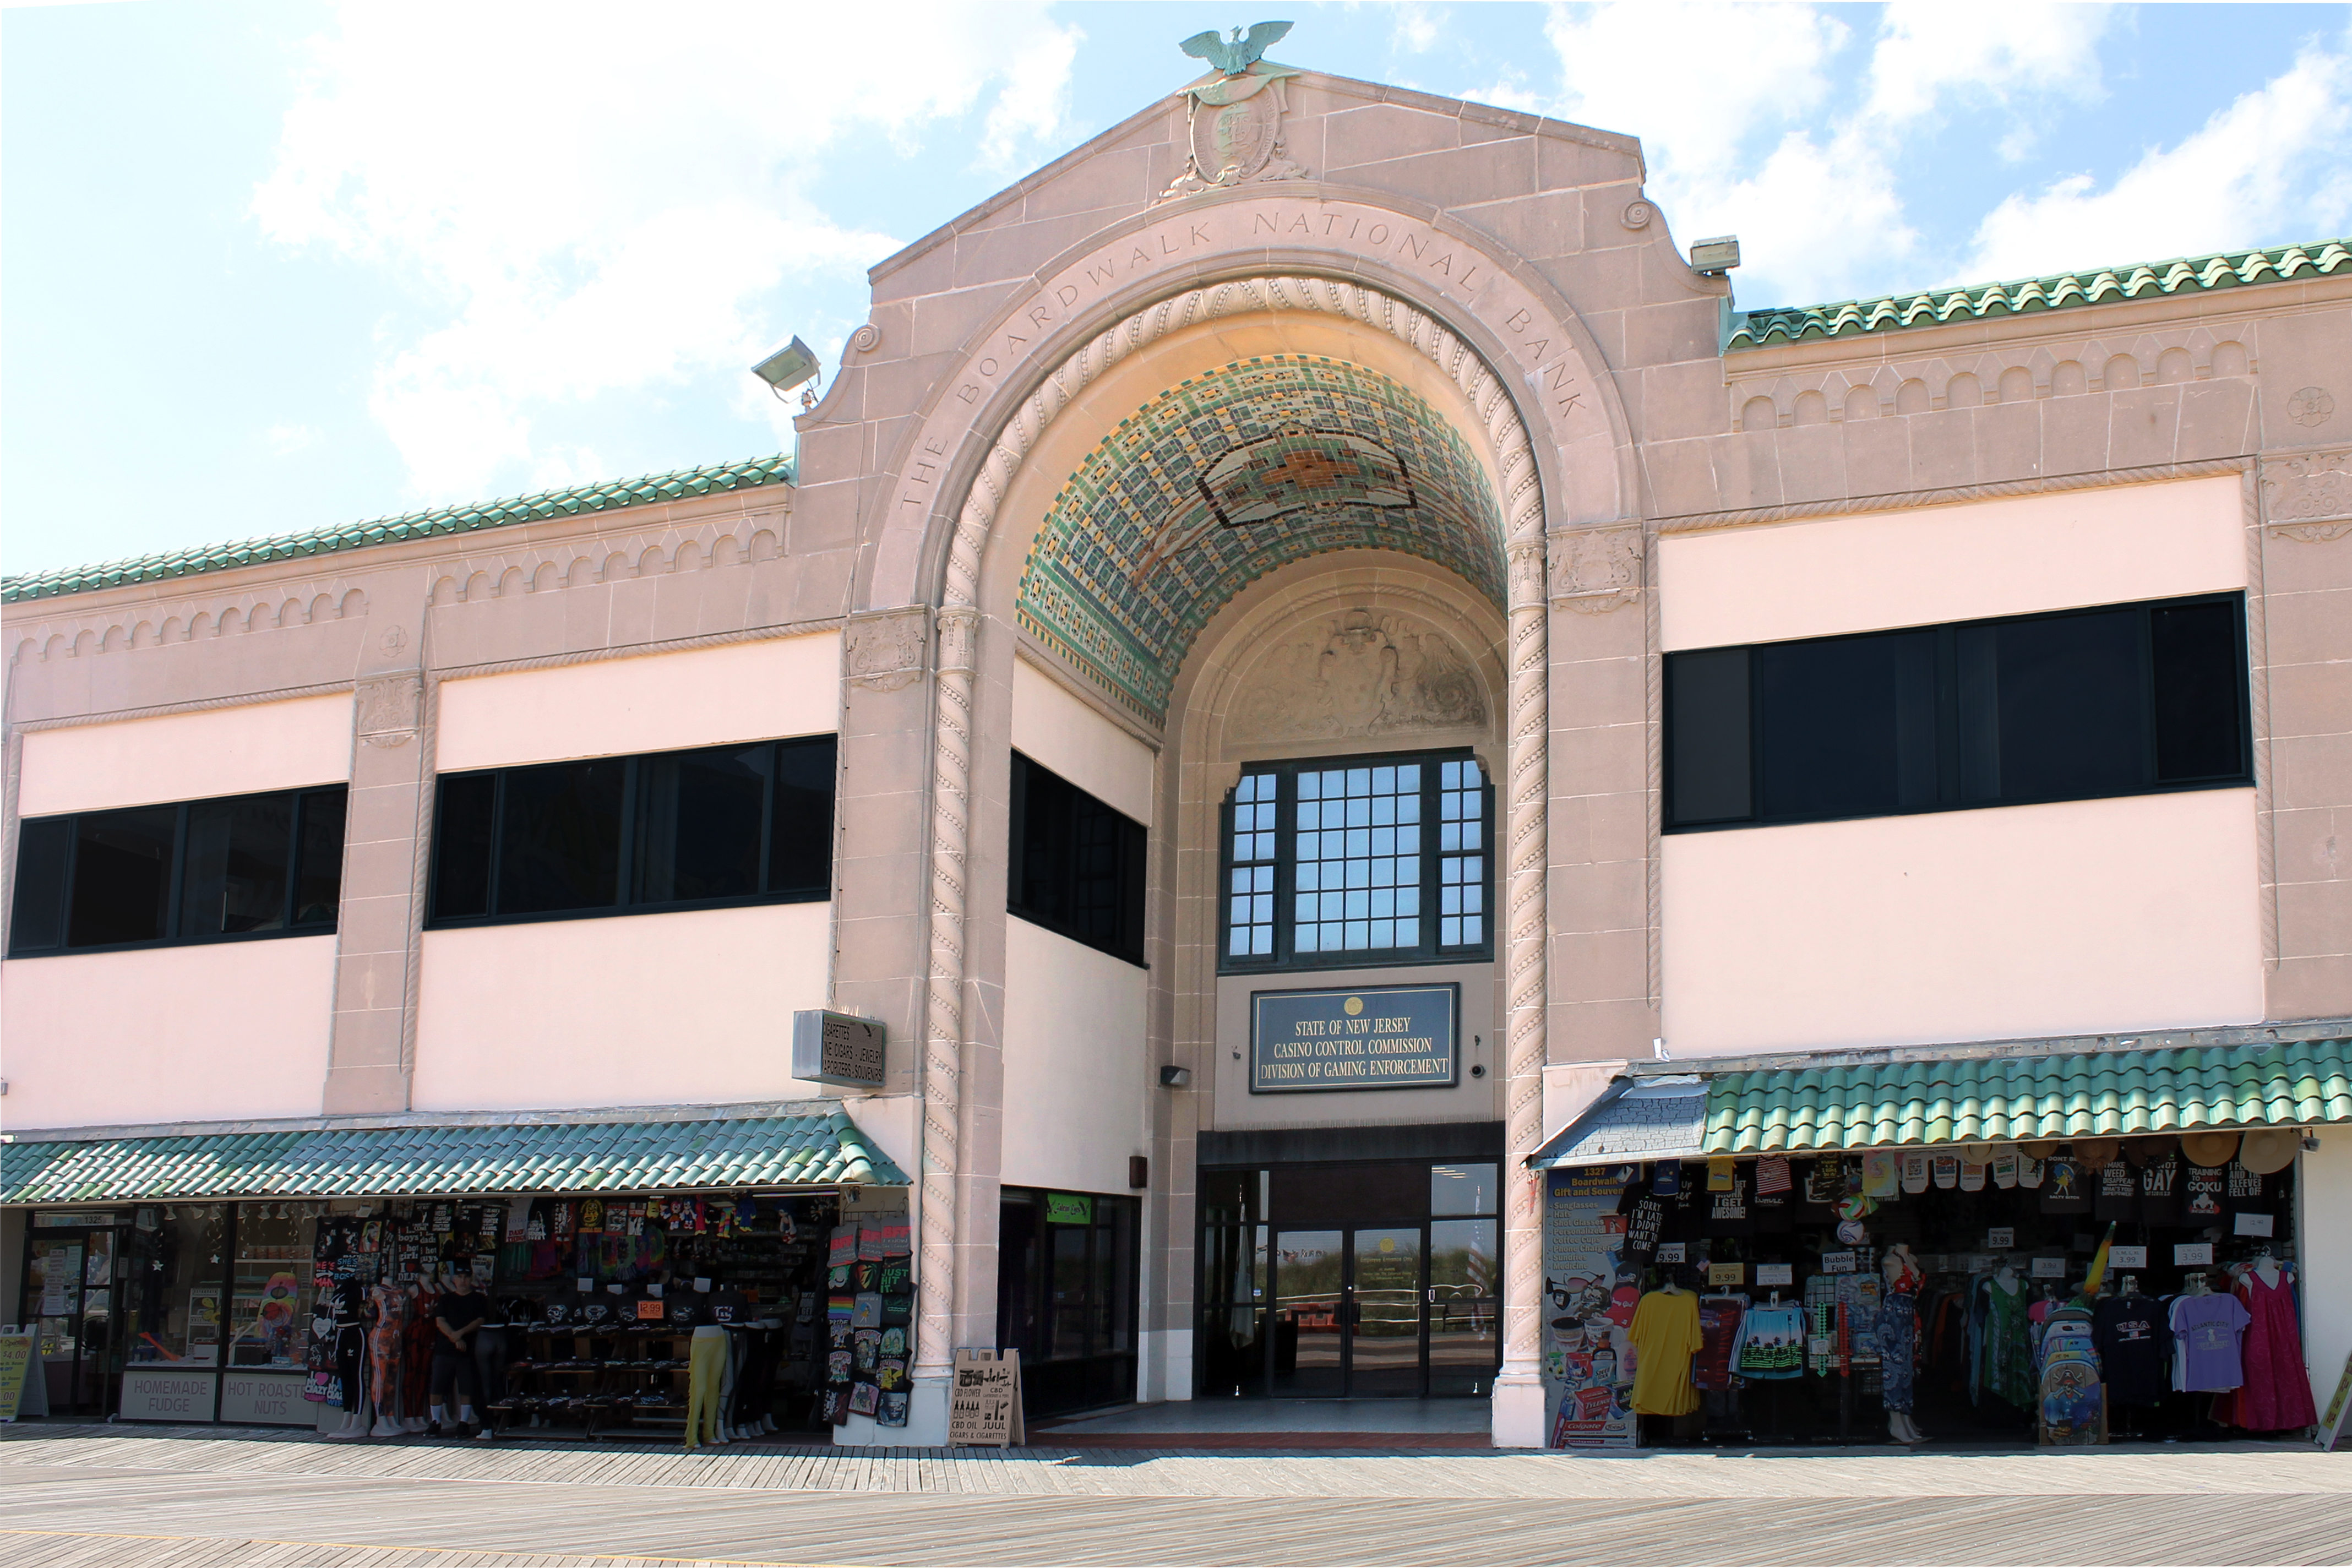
(1235, 55)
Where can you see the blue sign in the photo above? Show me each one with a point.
(1393, 1037)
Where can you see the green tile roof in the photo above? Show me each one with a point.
(749, 474)
(814, 1149)
(2007, 1098)
(2098, 286)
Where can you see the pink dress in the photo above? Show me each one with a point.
(2276, 1393)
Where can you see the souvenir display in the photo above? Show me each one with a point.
(2051, 1292)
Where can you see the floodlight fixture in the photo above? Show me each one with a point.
(788, 367)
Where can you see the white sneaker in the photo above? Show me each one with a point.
(484, 1435)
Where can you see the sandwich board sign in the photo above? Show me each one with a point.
(984, 1402)
(2331, 1426)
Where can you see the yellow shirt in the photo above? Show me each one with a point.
(1665, 1336)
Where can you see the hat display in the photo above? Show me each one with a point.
(1983, 1154)
(2097, 1154)
(2148, 1150)
(2268, 1149)
(2209, 1148)
(2040, 1149)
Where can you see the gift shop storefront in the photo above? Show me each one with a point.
(2052, 1249)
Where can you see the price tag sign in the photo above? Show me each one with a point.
(1726, 1273)
(2254, 1225)
(1817, 1347)
(1837, 1262)
(2128, 1257)
(703, 1284)
(587, 1285)
(1775, 1274)
(2001, 1236)
(2049, 1268)
(649, 1311)
(1671, 1252)
(2192, 1254)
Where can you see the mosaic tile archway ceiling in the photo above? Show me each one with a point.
(1226, 476)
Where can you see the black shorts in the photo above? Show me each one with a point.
(450, 1369)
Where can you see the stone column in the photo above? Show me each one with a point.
(1518, 1390)
(387, 835)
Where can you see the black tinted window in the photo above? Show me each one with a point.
(122, 876)
(2073, 705)
(1848, 725)
(1078, 865)
(254, 865)
(559, 838)
(673, 829)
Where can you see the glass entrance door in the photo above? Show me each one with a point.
(69, 1290)
(1347, 1313)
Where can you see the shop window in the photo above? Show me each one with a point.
(199, 870)
(1067, 1287)
(715, 827)
(2082, 705)
(1349, 862)
(1077, 865)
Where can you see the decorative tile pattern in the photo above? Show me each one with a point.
(605, 495)
(816, 1149)
(2092, 285)
(1224, 478)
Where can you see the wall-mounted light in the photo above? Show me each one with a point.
(1175, 1077)
(1714, 257)
(788, 367)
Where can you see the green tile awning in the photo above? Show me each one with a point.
(2088, 1094)
(819, 1149)
(2028, 296)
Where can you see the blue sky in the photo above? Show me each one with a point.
(269, 266)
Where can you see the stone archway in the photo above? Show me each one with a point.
(1515, 515)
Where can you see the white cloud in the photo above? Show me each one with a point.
(285, 440)
(1772, 131)
(1415, 28)
(2273, 164)
(585, 198)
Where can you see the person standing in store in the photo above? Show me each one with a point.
(457, 1318)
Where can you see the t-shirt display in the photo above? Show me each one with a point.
(1719, 1318)
(2209, 1328)
(1772, 1343)
(1666, 1335)
(2135, 1348)
(2275, 1395)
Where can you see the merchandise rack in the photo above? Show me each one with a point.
(620, 1373)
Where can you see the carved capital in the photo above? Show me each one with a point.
(1524, 563)
(1595, 570)
(959, 637)
(884, 651)
(387, 709)
(2309, 497)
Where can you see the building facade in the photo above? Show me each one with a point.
(1306, 653)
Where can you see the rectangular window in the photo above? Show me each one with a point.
(2078, 705)
(714, 827)
(1351, 861)
(199, 870)
(1076, 865)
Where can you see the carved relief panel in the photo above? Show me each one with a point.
(1359, 673)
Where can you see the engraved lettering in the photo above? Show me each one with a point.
(1299, 224)
(1101, 275)
(1039, 316)
(1380, 235)
(1140, 257)
(1444, 264)
(1518, 322)
(1538, 349)
(1469, 275)
(923, 473)
(1415, 246)
(969, 392)
(988, 367)
(1166, 247)
(1330, 220)
(1067, 294)
(1200, 235)
(1263, 221)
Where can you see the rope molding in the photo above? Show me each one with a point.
(1525, 805)
(1904, 501)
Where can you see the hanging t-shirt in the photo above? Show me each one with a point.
(2204, 1185)
(2159, 1192)
(1728, 1209)
(1772, 1343)
(2210, 1330)
(1719, 1318)
(1666, 1335)
(1645, 1222)
(2116, 1196)
(2135, 1348)
(2065, 1188)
